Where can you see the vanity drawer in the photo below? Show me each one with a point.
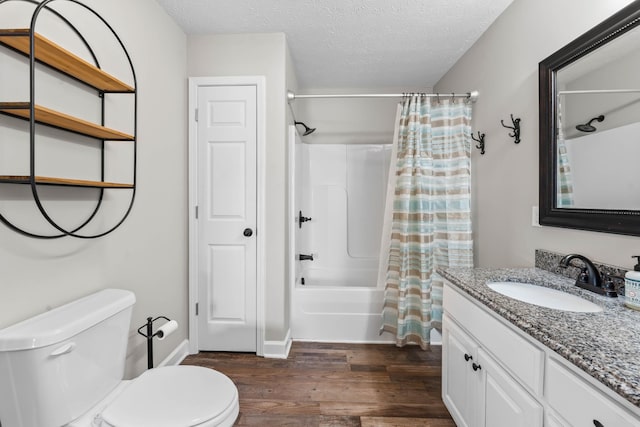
(521, 358)
(579, 403)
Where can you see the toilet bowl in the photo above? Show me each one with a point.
(65, 368)
(185, 396)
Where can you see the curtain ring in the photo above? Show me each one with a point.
(452, 97)
(438, 97)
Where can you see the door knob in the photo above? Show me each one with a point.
(476, 366)
(467, 357)
(247, 232)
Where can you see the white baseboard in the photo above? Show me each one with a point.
(277, 349)
(176, 355)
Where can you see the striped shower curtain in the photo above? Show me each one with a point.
(564, 181)
(564, 190)
(431, 214)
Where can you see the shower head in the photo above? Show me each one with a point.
(588, 127)
(307, 129)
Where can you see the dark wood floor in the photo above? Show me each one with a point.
(336, 385)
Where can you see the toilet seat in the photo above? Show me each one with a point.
(175, 396)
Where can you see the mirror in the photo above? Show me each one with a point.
(590, 129)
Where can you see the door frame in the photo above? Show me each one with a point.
(194, 84)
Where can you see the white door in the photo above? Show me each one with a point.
(227, 213)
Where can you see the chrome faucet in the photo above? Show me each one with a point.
(589, 277)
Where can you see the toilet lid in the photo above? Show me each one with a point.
(172, 396)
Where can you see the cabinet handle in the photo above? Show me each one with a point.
(597, 423)
(476, 367)
(467, 357)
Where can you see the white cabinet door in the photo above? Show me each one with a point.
(459, 382)
(506, 403)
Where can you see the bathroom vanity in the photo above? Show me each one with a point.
(510, 363)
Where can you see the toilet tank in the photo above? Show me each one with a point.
(57, 365)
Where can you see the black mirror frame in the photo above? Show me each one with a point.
(608, 221)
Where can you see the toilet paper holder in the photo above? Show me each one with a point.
(161, 333)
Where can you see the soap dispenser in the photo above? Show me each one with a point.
(632, 286)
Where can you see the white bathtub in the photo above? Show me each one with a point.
(337, 310)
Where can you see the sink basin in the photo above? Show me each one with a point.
(544, 297)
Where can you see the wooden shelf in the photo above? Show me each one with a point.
(24, 179)
(60, 120)
(61, 59)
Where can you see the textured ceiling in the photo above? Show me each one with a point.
(353, 43)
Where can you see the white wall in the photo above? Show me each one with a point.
(260, 54)
(503, 66)
(347, 121)
(148, 253)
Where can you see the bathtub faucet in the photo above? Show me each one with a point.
(302, 219)
(303, 257)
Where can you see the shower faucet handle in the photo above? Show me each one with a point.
(302, 219)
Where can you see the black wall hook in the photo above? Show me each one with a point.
(516, 129)
(480, 141)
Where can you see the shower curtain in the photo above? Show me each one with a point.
(564, 190)
(564, 183)
(430, 214)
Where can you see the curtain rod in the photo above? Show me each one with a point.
(473, 96)
(593, 91)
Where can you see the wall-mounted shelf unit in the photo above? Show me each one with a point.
(39, 49)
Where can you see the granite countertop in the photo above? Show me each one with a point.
(606, 345)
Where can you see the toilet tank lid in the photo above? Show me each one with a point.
(64, 322)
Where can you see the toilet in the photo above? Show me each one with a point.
(65, 367)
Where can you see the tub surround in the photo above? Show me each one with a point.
(342, 188)
(601, 344)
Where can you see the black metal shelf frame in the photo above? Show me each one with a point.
(45, 5)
